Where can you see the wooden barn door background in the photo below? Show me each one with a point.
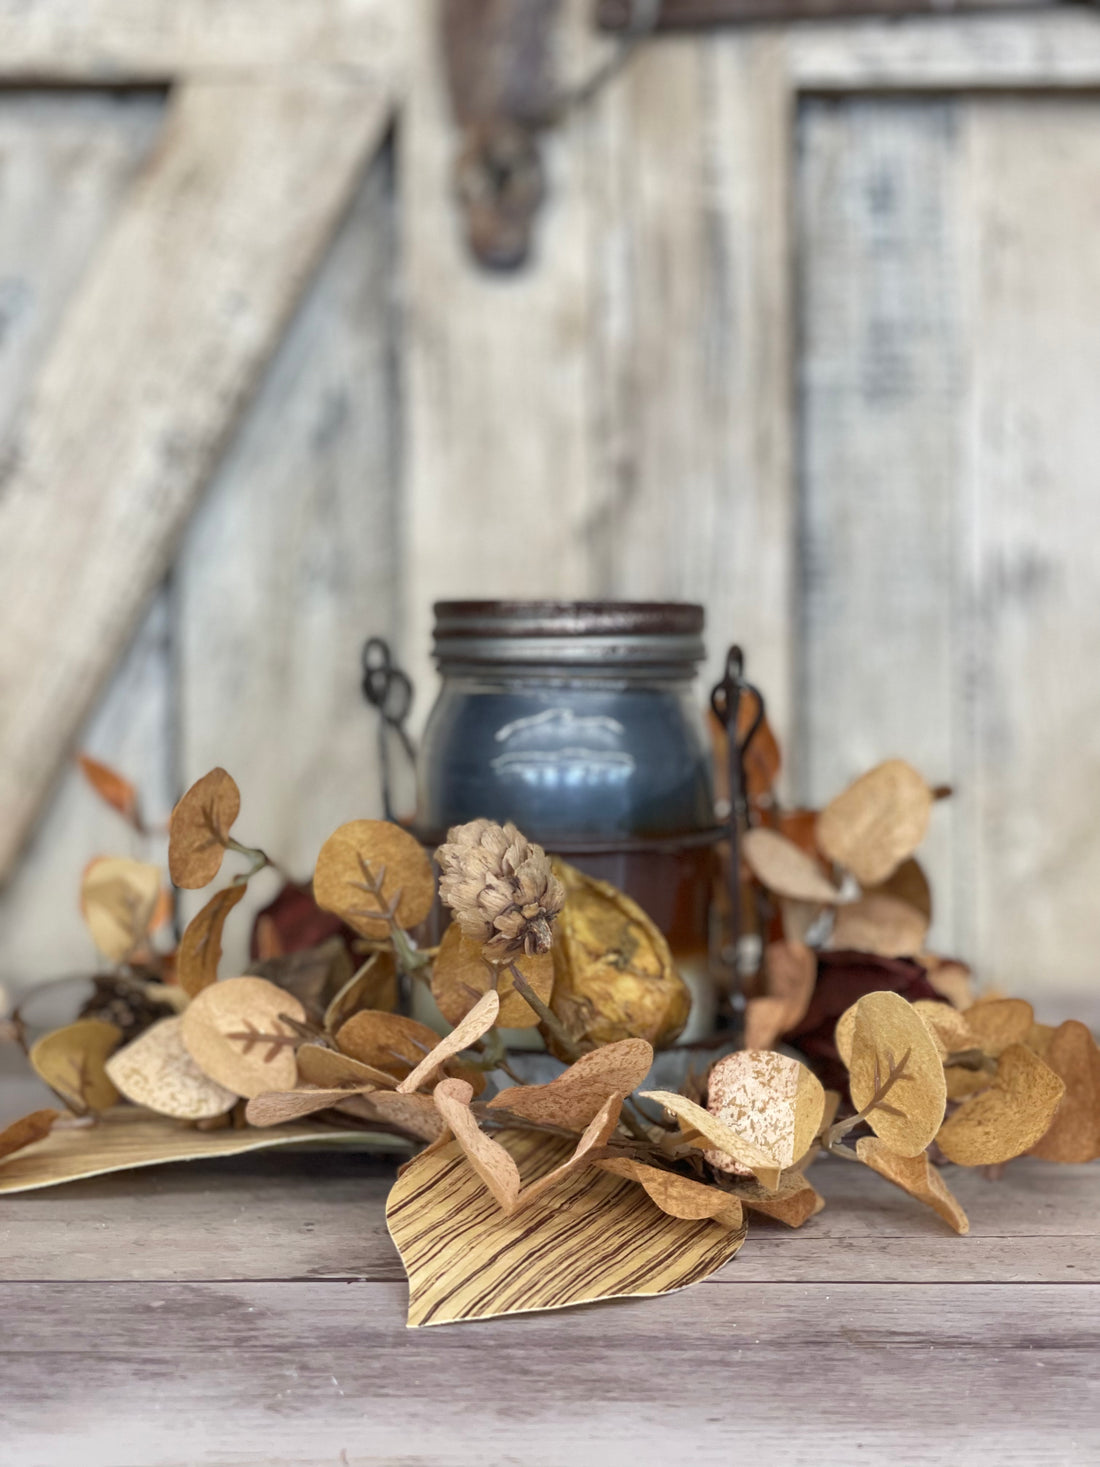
(810, 334)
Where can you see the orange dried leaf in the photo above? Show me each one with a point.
(576, 1096)
(477, 1022)
(879, 924)
(721, 1137)
(118, 900)
(368, 868)
(915, 1175)
(779, 865)
(72, 1062)
(200, 947)
(676, 1195)
(26, 1131)
(461, 974)
(769, 1098)
(895, 1066)
(156, 1071)
(998, 1022)
(374, 986)
(1008, 1118)
(199, 829)
(395, 1044)
(790, 972)
(877, 822)
(237, 1032)
(1074, 1134)
(112, 788)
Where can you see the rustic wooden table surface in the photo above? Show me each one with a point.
(253, 1311)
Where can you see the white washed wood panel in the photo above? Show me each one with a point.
(292, 561)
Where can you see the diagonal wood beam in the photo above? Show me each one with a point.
(618, 15)
(159, 351)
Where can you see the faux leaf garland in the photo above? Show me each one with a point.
(591, 1185)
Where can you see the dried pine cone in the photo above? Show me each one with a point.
(500, 888)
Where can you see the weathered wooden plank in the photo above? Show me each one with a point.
(122, 41)
(148, 1374)
(293, 560)
(617, 15)
(239, 200)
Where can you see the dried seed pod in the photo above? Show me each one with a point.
(613, 972)
(500, 887)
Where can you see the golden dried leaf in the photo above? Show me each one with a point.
(368, 866)
(156, 1071)
(199, 829)
(879, 924)
(493, 1164)
(467, 1261)
(786, 870)
(614, 976)
(1007, 1119)
(877, 822)
(575, 1097)
(793, 1202)
(915, 1175)
(998, 1022)
(118, 899)
(374, 986)
(721, 1137)
(588, 1151)
(469, 1030)
(676, 1195)
(947, 1026)
(112, 788)
(72, 1062)
(396, 1044)
(962, 1081)
(1074, 1134)
(890, 1039)
(908, 884)
(126, 1138)
(329, 1070)
(236, 1032)
(1038, 1038)
(200, 947)
(460, 975)
(26, 1131)
(950, 979)
(769, 1098)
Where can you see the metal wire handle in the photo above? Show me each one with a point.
(387, 688)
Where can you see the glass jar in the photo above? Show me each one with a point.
(580, 722)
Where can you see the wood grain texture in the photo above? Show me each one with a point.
(88, 519)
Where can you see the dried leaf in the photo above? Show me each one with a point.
(908, 884)
(962, 1081)
(769, 1098)
(112, 788)
(793, 1202)
(999, 1022)
(477, 1022)
(764, 1166)
(1007, 1119)
(26, 1131)
(125, 1139)
(1038, 1039)
(72, 1060)
(118, 899)
(313, 975)
(880, 924)
(156, 1071)
(370, 868)
(200, 947)
(915, 1175)
(589, 1150)
(947, 1026)
(614, 977)
(785, 870)
(280, 1106)
(413, 1113)
(951, 980)
(877, 822)
(790, 972)
(676, 1195)
(492, 1162)
(396, 1044)
(574, 1098)
(236, 1033)
(199, 829)
(461, 974)
(465, 1261)
(896, 1064)
(1074, 1134)
(374, 986)
(328, 1069)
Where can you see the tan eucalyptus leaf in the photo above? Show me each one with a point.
(461, 974)
(574, 1098)
(396, 1044)
(72, 1061)
(1074, 1134)
(413, 1113)
(491, 1161)
(790, 973)
(952, 980)
(879, 924)
(373, 986)
(877, 822)
(588, 1151)
(890, 1039)
(785, 870)
(716, 1135)
(962, 1081)
(915, 1175)
(1038, 1038)
(793, 1202)
(156, 1071)
(367, 867)
(236, 1032)
(467, 1031)
(465, 1261)
(118, 899)
(769, 1098)
(998, 1022)
(948, 1026)
(676, 1195)
(200, 946)
(1009, 1117)
(277, 1107)
(908, 884)
(199, 829)
(26, 1131)
(330, 1069)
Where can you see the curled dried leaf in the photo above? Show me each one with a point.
(156, 1071)
(493, 1164)
(72, 1061)
(908, 884)
(790, 972)
(26, 1131)
(949, 978)
(395, 1044)
(676, 1195)
(276, 1107)
(237, 1032)
(589, 1149)
(574, 1098)
(1009, 1117)
(877, 822)
(461, 974)
(793, 1202)
(769, 1098)
(895, 1072)
(198, 833)
(1074, 1134)
(469, 1030)
(329, 1070)
(112, 788)
(998, 1022)
(413, 1113)
(948, 1027)
(784, 869)
(706, 1132)
(915, 1175)
(200, 947)
(880, 924)
(371, 870)
(118, 899)
(373, 986)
